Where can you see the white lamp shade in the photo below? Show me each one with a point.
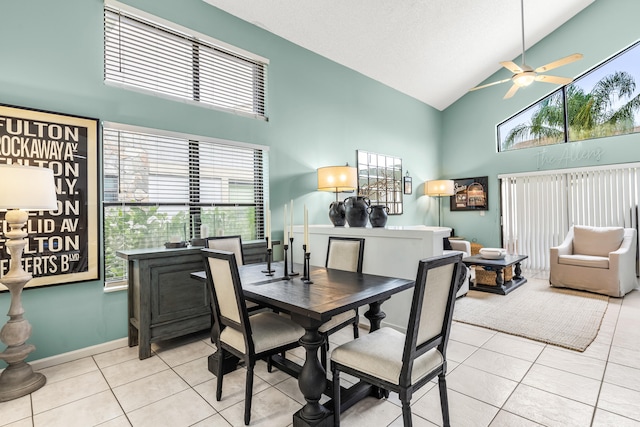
(337, 178)
(27, 188)
(440, 187)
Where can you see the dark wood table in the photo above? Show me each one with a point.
(310, 305)
(501, 287)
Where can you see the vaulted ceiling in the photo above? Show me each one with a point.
(432, 50)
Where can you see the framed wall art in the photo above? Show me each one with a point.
(62, 245)
(470, 194)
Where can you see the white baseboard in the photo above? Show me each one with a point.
(78, 354)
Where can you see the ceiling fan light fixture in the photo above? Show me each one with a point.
(524, 79)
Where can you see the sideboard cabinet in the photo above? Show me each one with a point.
(164, 302)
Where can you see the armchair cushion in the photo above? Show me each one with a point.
(597, 241)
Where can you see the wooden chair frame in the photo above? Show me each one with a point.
(405, 388)
(244, 326)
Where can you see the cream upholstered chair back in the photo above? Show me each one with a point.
(227, 243)
(345, 253)
(228, 304)
(596, 241)
(431, 308)
(434, 307)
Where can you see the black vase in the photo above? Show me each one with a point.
(337, 214)
(378, 215)
(357, 211)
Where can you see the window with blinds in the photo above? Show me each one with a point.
(153, 57)
(162, 188)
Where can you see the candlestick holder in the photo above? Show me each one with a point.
(269, 271)
(291, 273)
(305, 270)
(286, 267)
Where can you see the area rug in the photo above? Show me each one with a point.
(562, 317)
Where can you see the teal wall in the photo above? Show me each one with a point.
(320, 113)
(469, 145)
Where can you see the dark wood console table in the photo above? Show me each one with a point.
(501, 287)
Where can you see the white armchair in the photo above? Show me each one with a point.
(463, 247)
(596, 259)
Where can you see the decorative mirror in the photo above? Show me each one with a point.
(380, 179)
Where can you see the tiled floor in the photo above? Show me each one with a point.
(494, 380)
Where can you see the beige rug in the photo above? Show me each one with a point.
(562, 317)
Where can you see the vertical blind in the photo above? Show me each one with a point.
(539, 208)
(160, 187)
(146, 55)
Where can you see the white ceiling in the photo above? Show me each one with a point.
(432, 50)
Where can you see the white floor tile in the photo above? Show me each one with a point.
(179, 410)
(66, 391)
(620, 400)
(15, 410)
(499, 364)
(562, 383)
(90, 411)
(150, 389)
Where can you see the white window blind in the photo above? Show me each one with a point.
(147, 55)
(160, 187)
(539, 208)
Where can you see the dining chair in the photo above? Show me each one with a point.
(402, 363)
(227, 243)
(249, 338)
(231, 244)
(343, 253)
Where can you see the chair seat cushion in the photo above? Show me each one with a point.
(337, 320)
(584, 261)
(379, 354)
(269, 330)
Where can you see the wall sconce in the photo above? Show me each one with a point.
(24, 188)
(439, 188)
(337, 179)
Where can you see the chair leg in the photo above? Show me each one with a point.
(406, 414)
(248, 392)
(219, 374)
(356, 328)
(336, 397)
(269, 364)
(444, 400)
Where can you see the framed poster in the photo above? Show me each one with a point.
(62, 245)
(470, 194)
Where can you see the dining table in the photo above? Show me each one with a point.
(311, 301)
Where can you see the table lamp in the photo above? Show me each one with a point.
(337, 179)
(439, 188)
(24, 188)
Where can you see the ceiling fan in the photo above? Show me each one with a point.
(524, 75)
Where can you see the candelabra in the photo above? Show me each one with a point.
(286, 266)
(305, 270)
(291, 273)
(269, 271)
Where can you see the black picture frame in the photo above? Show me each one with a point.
(407, 185)
(470, 194)
(68, 246)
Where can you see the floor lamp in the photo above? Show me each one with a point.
(24, 188)
(439, 188)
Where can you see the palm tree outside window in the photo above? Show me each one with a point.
(603, 102)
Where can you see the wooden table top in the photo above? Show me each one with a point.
(504, 262)
(332, 291)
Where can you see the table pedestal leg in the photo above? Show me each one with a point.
(518, 272)
(312, 383)
(499, 277)
(375, 315)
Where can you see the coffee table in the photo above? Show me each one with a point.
(501, 287)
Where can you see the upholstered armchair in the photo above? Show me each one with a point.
(464, 247)
(596, 259)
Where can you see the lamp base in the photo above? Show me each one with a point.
(18, 380)
(338, 214)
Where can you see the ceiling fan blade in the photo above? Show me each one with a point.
(553, 79)
(511, 91)
(489, 84)
(511, 66)
(560, 62)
